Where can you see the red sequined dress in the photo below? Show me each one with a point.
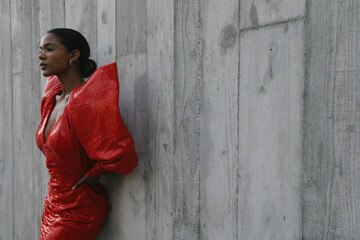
(89, 137)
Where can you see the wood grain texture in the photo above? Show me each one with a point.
(40, 176)
(331, 121)
(130, 26)
(187, 77)
(26, 116)
(127, 218)
(270, 133)
(6, 149)
(51, 15)
(106, 53)
(259, 12)
(106, 31)
(218, 120)
(161, 126)
(216, 116)
(81, 15)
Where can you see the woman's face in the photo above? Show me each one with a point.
(54, 56)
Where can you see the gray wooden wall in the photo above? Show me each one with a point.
(245, 115)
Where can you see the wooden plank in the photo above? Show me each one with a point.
(106, 22)
(270, 134)
(106, 52)
(160, 164)
(6, 154)
(26, 112)
(331, 121)
(130, 26)
(51, 15)
(39, 171)
(218, 120)
(127, 217)
(258, 12)
(80, 15)
(186, 179)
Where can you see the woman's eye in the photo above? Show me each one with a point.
(50, 49)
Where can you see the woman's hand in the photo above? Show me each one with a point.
(91, 181)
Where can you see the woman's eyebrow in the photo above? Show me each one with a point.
(47, 44)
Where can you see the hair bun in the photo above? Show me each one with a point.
(88, 68)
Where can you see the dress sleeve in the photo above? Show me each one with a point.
(98, 125)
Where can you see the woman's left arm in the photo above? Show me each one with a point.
(97, 124)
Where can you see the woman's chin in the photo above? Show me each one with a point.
(46, 74)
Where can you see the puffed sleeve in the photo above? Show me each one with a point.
(96, 121)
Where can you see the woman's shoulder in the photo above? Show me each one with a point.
(101, 88)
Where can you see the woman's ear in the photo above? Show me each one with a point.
(75, 54)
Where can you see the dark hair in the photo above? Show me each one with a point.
(72, 40)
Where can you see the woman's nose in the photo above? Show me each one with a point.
(41, 56)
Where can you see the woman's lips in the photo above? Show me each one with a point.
(43, 66)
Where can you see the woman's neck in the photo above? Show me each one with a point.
(69, 81)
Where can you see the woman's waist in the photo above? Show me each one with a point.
(60, 182)
(62, 198)
(77, 206)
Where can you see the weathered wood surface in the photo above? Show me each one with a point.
(106, 33)
(255, 13)
(331, 121)
(26, 115)
(218, 120)
(216, 116)
(270, 134)
(187, 80)
(81, 15)
(6, 149)
(161, 127)
(130, 26)
(127, 217)
(106, 53)
(51, 15)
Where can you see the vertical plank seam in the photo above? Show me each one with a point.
(173, 78)
(198, 103)
(238, 131)
(64, 13)
(12, 125)
(332, 76)
(33, 14)
(147, 163)
(305, 64)
(199, 71)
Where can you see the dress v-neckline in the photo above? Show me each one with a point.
(62, 114)
(48, 118)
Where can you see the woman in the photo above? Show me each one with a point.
(82, 135)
